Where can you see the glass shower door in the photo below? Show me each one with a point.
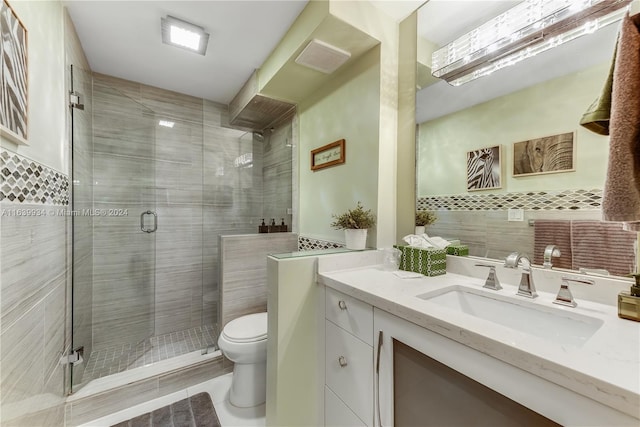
(114, 224)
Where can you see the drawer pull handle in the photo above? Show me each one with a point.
(342, 305)
(342, 361)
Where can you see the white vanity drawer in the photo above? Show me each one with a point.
(350, 314)
(337, 414)
(349, 370)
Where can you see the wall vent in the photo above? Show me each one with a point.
(323, 57)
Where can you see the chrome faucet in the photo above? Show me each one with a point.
(551, 251)
(492, 281)
(564, 296)
(526, 287)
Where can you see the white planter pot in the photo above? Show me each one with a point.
(420, 229)
(355, 238)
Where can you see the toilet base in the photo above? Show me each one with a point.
(248, 385)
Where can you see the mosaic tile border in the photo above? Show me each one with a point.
(24, 181)
(309, 244)
(540, 200)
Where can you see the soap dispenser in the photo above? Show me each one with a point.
(629, 302)
(263, 228)
(273, 227)
(283, 227)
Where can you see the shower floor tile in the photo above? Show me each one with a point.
(113, 360)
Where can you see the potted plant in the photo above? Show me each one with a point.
(355, 223)
(423, 219)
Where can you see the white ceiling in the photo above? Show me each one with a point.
(446, 20)
(123, 39)
(398, 9)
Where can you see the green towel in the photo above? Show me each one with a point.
(597, 116)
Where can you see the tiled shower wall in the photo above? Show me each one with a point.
(277, 166)
(33, 259)
(201, 177)
(35, 243)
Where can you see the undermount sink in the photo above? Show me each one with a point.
(550, 323)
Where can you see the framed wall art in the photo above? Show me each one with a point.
(328, 155)
(484, 168)
(550, 154)
(13, 76)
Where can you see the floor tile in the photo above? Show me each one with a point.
(113, 360)
(218, 388)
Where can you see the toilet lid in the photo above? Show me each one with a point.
(249, 328)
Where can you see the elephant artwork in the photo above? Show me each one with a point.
(544, 155)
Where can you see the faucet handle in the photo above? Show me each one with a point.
(565, 297)
(492, 281)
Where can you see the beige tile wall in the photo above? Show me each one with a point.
(243, 275)
(33, 291)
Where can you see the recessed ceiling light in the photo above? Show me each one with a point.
(166, 123)
(182, 34)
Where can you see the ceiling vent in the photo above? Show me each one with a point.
(323, 57)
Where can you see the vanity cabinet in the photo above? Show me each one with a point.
(473, 378)
(348, 361)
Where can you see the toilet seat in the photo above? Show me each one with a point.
(246, 329)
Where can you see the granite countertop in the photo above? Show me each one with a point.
(605, 368)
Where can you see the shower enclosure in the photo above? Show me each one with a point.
(157, 177)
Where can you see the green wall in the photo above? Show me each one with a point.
(347, 107)
(545, 109)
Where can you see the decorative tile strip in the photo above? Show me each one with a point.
(309, 244)
(24, 181)
(540, 200)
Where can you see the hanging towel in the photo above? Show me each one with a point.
(597, 116)
(621, 201)
(602, 245)
(553, 232)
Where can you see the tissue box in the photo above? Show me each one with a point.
(459, 250)
(427, 261)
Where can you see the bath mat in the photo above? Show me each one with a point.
(195, 411)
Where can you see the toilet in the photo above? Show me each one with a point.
(244, 342)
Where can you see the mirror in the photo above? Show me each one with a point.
(515, 109)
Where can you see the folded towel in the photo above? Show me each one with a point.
(621, 201)
(407, 274)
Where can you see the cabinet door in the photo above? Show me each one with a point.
(349, 371)
(337, 414)
(350, 314)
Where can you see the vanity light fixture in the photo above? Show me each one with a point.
(182, 34)
(521, 32)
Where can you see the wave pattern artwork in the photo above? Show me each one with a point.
(13, 72)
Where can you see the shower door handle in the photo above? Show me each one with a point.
(155, 221)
